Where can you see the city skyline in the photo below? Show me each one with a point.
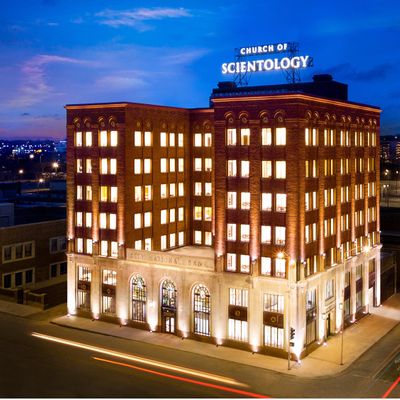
(54, 53)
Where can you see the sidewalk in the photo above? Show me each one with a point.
(20, 310)
(322, 362)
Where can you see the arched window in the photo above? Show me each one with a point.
(168, 294)
(139, 295)
(201, 310)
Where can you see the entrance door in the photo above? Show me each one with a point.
(371, 299)
(168, 307)
(328, 325)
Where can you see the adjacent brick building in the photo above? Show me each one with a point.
(231, 224)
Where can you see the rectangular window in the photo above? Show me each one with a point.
(113, 166)
(232, 171)
(207, 189)
(181, 214)
(88, 139)
(181, 165)
(147, 219)
(103, 166)
(88, 193)
(207, 213)
(147, 192)
(266, 137)
(88, 220)
(197, 188)
(245, 201)
(180, 139)
(163, 191)
(79, 219)
(197, 140)
(266, 202)
(113, 194)
(181, 189)
(266, 266)
(280, 136)
(245, 169)
(231, 262)
(231, 200)
(266, 234)
(244, 263)
(172, 165)
(172, 190)
(245, 136)
(138, 193)
(113, 221)
(231, 138)
(197, 237)
(244, 233)
(207, 140)
(266, 169)
(280, 203)
(280, 235)
(163, 139)
(197, 164)
(78, 139)
(79, 167)
(103, 138)
(88, 169)
(207, 164)
(163, 165)
(164, 216)
(280, 169)
(148, 139)
(198, 213)
(231, 232)
(138, 139)
(147, 166)
(172, 215)
(137, 220)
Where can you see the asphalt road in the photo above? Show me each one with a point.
(35, 367)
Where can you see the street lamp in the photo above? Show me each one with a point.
(55, 166)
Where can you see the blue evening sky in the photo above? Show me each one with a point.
(55, 52)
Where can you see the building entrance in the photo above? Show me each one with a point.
(168, 307)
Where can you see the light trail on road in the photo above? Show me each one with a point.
(147, 361)
(188, 380)
(394, 384)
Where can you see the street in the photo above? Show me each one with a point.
(40, 359)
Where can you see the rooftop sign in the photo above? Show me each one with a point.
(292, 62)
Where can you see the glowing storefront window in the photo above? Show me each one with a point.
(201, 310)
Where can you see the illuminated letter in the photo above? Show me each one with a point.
(251, 66)
(271, 48)
(295, 62)
(279, 47)
(304, 61)
(242, 51)
(285, 63)
(243, 66)
(231, 68)
(276, 64)
(268, 64)
(259, 64)
(224, 69)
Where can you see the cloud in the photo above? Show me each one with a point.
(135, 18)
(124, 80)
(35, 88)
(349, 72)
(185, 57)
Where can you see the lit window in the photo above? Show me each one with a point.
(103, 138)
(244, 263)
(207, 238)
(197, 237)
(172, 165)
(137, 220)
(147, 166)
(197, 164)
(197, 139)
(103, 166)
(245, 136)
(244, 233)
(79, 245)
(231, 232)
(266, 202)
(78, 139)
(280, 235)
(232, 168)
(231, 196)
(114, 249)
(147, 219)
(88, 137)
(265, 234)
(207, 189)
(163, 242)
(197, 213)
(113, 194)
(180, 139)
(147, 192)
(138, 138)
(181, 214)
(113, 221)
(208, 164)
(266, 137)
(280, 169)
(181, 189)
(172, 215)
(113, 138)
(172, 190)
(89, 246)
(163, 139)
(231, 262)
(79, 219)
(163, 191)
(164, 218)
(181, 238)
(245, 169)
(104, 248)
(147, 244)
(280, 204)
(137, 166)
(266, 266)
(138, 245)
(207, 213)
(172, 139)
(88, 193)
(231, 139)
(245, 201)
(280, 267)
(138, 193)
(147, 139)
(172, 240)
(79, 192)
(113, 166)
(197, 188)
(311, 136)
(103, 220)
(163, 165)
(88, 166)
(266, 169)
(280, 136)
(207, 140)
(181, 165)
(79, 168)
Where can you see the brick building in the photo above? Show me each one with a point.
(231, 224)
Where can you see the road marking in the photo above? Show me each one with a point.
(179, 378)
(148, 361)
(394, 384)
